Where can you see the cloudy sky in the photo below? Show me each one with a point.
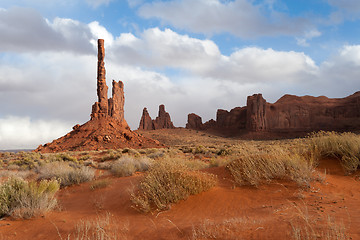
(191, 55)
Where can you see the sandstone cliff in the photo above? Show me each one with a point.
(163, 120)
(194, 122)
(107, 128)
(289, 114)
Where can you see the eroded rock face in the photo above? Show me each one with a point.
(102, 89)
(107, 128)
(163, 120)
(145, 122)
(289, 114)
(256, 113)
(293, 113)
(194, 122)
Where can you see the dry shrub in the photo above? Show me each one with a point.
(307, 227)
(103, 228)
(343, 146)
(168, 182)
(24, 199)
(226, 229)
(275, 163)
(126, 166)
(101, 183)
(66, 174)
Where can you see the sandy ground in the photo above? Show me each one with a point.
(229, 212)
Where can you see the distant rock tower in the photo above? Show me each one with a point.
(163, 120)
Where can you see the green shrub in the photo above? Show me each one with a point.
(66, 174)
(20, 198)
(343, 146)
(168, 182)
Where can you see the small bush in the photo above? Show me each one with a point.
(343, 146)
(168, 182)
(126, 166)
(264, 166)
(66, 174)
(102, 183)
(23, 199)
(103, 228)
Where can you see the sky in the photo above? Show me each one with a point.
(194, 56)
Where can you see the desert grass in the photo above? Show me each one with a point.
(342, 146)
(104, 227)
(101, 183)
(228, 229)
(65, 173)
(128, 165)
(256, 167)
(306, 227)
(168, 182)
(24, 199)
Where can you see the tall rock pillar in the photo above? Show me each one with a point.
(256, 113)
(100, 108)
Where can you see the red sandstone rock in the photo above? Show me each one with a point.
(235, 119)
(146, 123)
(194, 122)
(102, 89)
(289, 114)
(292, 113)
(256, 113)
(163, 120)
(107, 128)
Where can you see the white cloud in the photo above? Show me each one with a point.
(25, 30)
(97, 3)
(202, 58)
(24, 133)
(134, 3)
(303, 41)
(348, 5)
(239, 17)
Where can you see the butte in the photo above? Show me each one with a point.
(107, 128)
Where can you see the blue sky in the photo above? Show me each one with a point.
(191, 55)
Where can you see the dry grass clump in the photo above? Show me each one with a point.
(24, 199)
(66, 174)
(343, 146)
(168, 182)
(126, 166)
(232, 228)
(307, 227)
(103, 228)
(101, 183)
(262, 166)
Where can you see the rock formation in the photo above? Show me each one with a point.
(145, 122)
(107, 128)
(256, 113)
(194, 122)
(289, 114)
(163, 120)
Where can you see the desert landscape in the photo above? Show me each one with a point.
(179, 120)
(104, 181)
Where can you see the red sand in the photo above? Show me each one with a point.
(263, 213)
